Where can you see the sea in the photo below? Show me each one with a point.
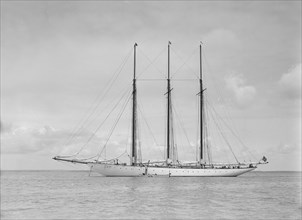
(78, 195)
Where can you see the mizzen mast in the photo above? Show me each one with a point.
(133, 160)
(169, 110)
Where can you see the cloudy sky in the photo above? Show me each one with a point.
(58, 59)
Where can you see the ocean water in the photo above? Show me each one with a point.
(75, 195)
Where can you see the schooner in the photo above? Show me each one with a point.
(170, 167)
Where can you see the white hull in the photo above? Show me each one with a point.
(136, 171)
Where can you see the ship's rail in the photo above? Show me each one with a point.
(162, 164)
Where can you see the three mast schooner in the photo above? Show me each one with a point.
(171, 167)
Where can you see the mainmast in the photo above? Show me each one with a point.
(169, 108)
(201, 106)
(133, 160)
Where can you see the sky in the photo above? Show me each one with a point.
(65, 65)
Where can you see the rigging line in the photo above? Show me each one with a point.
(193, 71)
(225, 105)
(184, 63)
(138, 140)
(151, 62)
(181, 125)
(235, 135)
(121, 155)
(101, 96)
(235, 131)
(151, 79)
(183, 79)
(140, 108)
(154, 139)
(179, 138)
(125, 152)
(128, 133)
(221, 133)
(197, 125)
(89, 158)
(116, 157)
(109, 82)
(109, 104)
(207, 134)
(207, 128)
(166, 79)
(117, 120)
(93, 134)
(93, 111)
(173, 144)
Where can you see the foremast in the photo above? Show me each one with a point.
(201, 149)
(133, 160)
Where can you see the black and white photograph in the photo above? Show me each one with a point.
(151, 109)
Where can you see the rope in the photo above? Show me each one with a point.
(197, 126)
(117, 120)
(181, 125)
(89, 139)
(76, 131)
(207, 128)
(235, 135)
(184, 63)
(225, 105)
(193, 71)
(151, 62)
(144, 119)
(221, 133)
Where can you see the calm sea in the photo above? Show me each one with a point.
(75, 195)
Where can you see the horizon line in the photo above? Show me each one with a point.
(47, 170)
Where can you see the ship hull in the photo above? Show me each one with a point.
(138, 171)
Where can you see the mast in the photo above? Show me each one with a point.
(169, 109)
(201, 105)
(134, 114)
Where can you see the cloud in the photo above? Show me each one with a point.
(43, 139)
(24, 139)
(244, 94)
(284, 148)
(46, 140)
(290, 83)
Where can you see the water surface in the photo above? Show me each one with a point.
(75, 195)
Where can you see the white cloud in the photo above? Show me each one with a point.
(46, 140)
(290, 83)
(34, 139)
(284, 148)
(244, 94)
